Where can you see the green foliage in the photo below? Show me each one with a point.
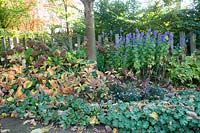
(79, 26)
(11, 12)
(111, 15)
(146, 57)
(169, 16)
(175, 113)
(162, 16)
(8, 33)
(185, 70)
(64, 110)
(129, 92)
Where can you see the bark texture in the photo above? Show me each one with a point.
(90, 29)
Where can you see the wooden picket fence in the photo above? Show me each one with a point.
(10, 43)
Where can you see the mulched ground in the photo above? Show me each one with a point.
(15, 125)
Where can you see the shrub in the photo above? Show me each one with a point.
(130, 92)
(185, 70)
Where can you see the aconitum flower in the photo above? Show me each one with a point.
(122, 39)
(129, 35)
(142, 34)
(117, 43)
(162, 37)
(133, 36)
(149, 31)
(166, 33)
(155, 33)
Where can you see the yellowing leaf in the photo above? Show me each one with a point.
(27, 84)
(154, 115)
(13, 114)
(115, 130)
(18, 69)
(45, 129)
(32, 93)
(94, 120)
(19, 93)
(62, 76)
(10, 99)
(44, 81)
(3, 115)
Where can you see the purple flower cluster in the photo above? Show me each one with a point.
(142, 36)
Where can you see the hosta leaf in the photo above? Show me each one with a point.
(27, 84)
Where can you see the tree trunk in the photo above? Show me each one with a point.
(66, 15)
(90, 29)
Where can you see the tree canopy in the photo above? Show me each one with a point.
(11, 12)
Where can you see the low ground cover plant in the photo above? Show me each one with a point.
(176, 112)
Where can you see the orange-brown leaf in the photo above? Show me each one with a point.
(19, 93)
(51, 71)
(18, 69)
(10, 77)
(53, 83)
(67, 89)
(48, 91)
(39, 76)
(42, 87)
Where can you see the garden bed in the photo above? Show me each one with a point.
(62, 89)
